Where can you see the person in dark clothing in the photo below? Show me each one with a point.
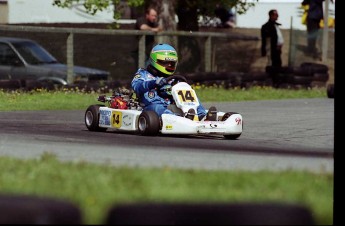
(271, 33)
(314, 17)
(147, 23)
(225, 16)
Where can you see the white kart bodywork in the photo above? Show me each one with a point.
(127, 120)
(177, 125)
(230, 126)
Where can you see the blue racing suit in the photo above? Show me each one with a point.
(144, 85)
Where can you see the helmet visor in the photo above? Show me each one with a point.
(169, 65)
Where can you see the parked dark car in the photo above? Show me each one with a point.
(24, 59)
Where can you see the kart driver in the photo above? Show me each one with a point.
(152, 88)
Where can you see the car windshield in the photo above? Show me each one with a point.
(34, 53)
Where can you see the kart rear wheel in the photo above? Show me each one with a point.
(225, 117)
(148, 123)
(92, 118)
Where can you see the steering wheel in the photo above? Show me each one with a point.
(178, 78)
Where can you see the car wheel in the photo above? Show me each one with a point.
(224, 118)
(148, 123)
(92, 118)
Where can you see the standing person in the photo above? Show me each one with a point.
(148, 23)
(225, 16)
(152, 88)
(270, 30)
(314, 17)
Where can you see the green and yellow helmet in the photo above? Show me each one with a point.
(164, 58)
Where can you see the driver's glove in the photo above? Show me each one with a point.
(161, 82)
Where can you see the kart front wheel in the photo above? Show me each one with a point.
(92, 119)
(225, 117)
(148, 123)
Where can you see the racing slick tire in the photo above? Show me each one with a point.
(148, 123)
(92, 118)
(225, 117)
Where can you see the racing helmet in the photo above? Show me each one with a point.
(163, 57)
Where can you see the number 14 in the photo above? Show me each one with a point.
(186, 95)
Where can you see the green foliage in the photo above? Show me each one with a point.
(93, 6)
(207, 7)
(95, 188)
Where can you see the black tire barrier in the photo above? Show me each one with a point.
(267, 82)
(320, 77)
(273, 77)
(302, 71)
(278, 79)
(313, 68)
(209, 214)
(213, 76)
(33, 84)
(318, 84)
(229, 80)
(275, 70)
(29, 85)
(272, 70)
(330, 90)
(258, 79)
(10, 84)
(258, 76)
(305, 69)
(299, 80)
(25, 209)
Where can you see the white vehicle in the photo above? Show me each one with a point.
(124, 113)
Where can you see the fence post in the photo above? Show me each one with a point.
(325, 34)
(142, 51)
(292, 50)
(208, 52)
(70, 61)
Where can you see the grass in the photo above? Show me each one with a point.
(95, 188)
(71, 99)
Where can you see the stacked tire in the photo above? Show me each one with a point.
(330, 91)
(10, 84)
(318, 73)
(306, 75)
(228, 79)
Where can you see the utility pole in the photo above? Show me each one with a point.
(325, 33)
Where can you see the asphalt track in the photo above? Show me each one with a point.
(278, 135)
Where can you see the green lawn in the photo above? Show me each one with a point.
(69, 99)
(95, 188)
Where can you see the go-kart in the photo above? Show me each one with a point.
(124, 113)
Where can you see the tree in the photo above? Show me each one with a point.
(93, 6)
(187, 11)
